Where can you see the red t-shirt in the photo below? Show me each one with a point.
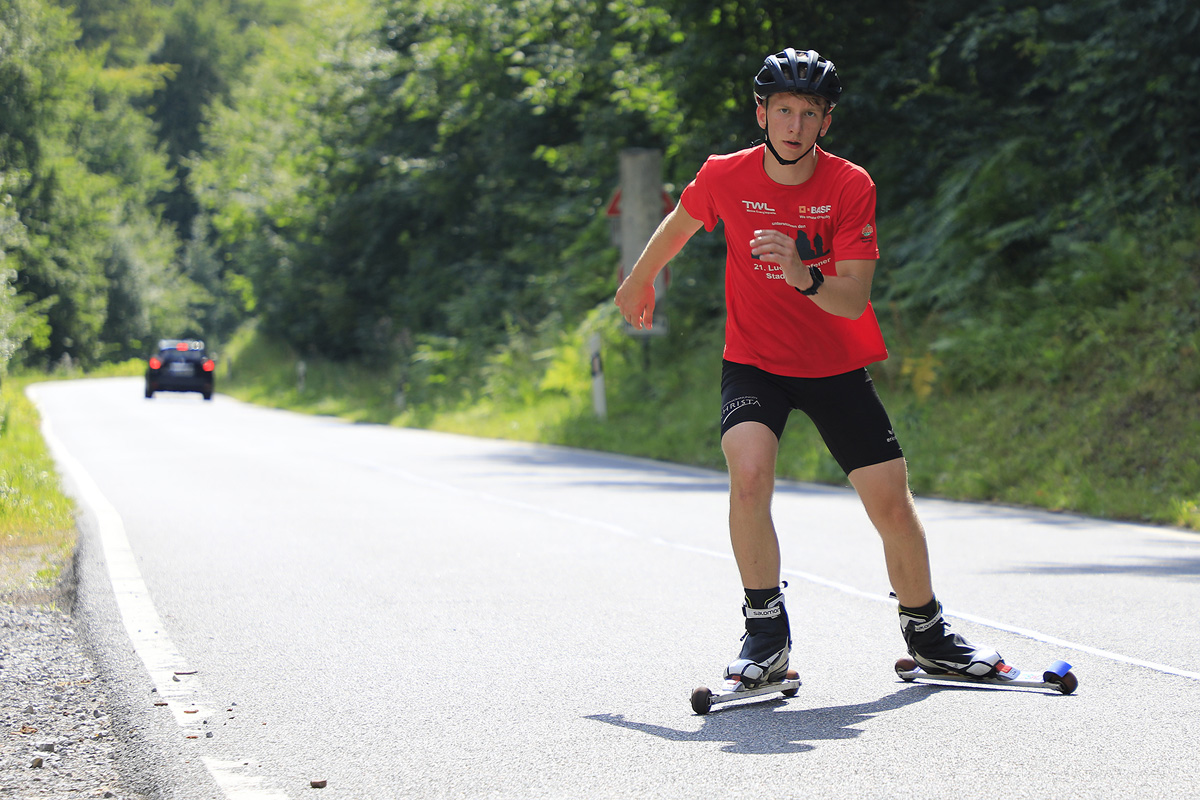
(832, 218)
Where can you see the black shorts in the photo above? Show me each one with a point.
(845, 408)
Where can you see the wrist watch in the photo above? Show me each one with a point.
(817, 279)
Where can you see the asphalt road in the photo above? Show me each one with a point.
(408, 614)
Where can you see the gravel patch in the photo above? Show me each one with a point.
(57, 736)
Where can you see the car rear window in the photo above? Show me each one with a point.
(169, 350)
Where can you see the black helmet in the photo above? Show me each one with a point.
(791, 71)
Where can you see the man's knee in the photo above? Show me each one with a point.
(752, 483)
(750, 451)
(897, 512)
(883, 489)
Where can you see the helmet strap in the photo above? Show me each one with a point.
(778, 158)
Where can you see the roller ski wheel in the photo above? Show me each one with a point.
(703, 698)
(1058, 676)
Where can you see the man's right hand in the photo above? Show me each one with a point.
(636, 300)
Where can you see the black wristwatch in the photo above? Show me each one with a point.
(817, 279)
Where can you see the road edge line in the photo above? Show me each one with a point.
(175, 681)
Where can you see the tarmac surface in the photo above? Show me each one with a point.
(274, 599)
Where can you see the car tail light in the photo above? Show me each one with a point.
(155, 363)
(208, 366)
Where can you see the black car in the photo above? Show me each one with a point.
(180, 365)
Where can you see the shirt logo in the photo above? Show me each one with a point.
(813, 210)
(867, 231)
(758, 208)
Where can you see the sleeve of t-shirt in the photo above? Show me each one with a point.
(855, 235)
(697, 198)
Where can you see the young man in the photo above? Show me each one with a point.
(799, 334)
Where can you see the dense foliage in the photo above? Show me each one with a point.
(416, 182)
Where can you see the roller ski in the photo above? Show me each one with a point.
(762, 666)
(703, 699)
(938, 654)
(1057, 676)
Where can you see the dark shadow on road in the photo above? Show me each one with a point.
(1186, 567)
(652, 475)
(760, 728)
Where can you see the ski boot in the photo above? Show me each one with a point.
(766, 644)
(938, 650)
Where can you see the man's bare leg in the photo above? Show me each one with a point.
(883, 489)
(750, 451)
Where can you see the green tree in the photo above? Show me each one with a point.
(207, 45)
(127, 31)
(263, 178)
(83, 170)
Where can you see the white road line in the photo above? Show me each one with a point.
(176, 682)
(1083, 648)
(608, 527)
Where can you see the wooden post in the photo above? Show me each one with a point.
(641, 213)
(641, 205)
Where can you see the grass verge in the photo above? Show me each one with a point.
(37, 523)
(37, 520)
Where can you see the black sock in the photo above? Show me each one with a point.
(758, 598)
(927, 611)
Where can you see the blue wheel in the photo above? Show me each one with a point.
(1060, 676)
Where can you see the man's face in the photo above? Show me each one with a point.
(793, 122)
